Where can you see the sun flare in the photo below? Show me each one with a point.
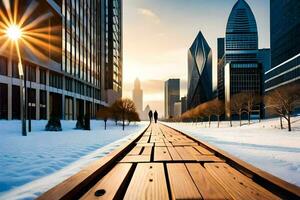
(14, 32)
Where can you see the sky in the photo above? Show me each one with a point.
(158, 33)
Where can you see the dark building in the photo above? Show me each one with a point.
(285, 44)
(183, 104)
(65, 61)
(172, 95)
(239, 69)
(221, 48)
(199, 72)
(264, 57)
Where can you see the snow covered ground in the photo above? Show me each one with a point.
(33, 164)
(263, 144)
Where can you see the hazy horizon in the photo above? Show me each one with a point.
(158, 34)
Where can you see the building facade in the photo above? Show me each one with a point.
(200, 80)
(65, 59)
(183, 104)
(137, 96)
(114, 49)
(264, 57)
(285, 44)
(172, 95)
(177, 109)
(239, 69)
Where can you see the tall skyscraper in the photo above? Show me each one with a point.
(240, 70)
(66, 62)
(221, 48)
(199, 72)
(137, 96)
(264, 57)
(172, 95)
(114, 53)
(285, 44)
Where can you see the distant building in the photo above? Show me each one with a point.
(172, 95)
(177, 109)
(137, 96)
(239, 70)
(145, 113)
(183, 105)
(200, 78)
(285, 44)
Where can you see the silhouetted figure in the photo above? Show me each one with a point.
(150, 114)
(155, 116)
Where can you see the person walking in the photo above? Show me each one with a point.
(150, 114)
(155, 116)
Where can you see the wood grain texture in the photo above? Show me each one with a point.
(161, 154)
(206, 184)
(110, 183)
(181, 183)
(236, 184)
(148, 182)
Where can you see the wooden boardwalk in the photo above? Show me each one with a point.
(163, 163)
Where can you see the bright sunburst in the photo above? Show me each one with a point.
(21, 31)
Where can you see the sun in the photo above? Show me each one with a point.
(14, 32)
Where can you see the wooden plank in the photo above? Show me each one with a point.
(236, 184)
(184, 143)
(181, 183)
(135, 159)
(148, 182)
(144, 144)
(205, 158)
(203, 151)
(160, 144)
(174, 154)
(184, 154)
(69, 188)
(109, 184)
(147, 151)
(161, 154)
(135, 151)
(209, 188)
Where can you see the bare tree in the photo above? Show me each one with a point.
(124, 107)
(237, 104)
(207, 109)
(252, 99)
(218, 109)
(283, 101)
(104, 114)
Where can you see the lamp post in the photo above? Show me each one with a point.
(14, 33)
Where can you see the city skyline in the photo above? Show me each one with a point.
(160, 36)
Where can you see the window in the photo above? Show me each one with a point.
(3, 66)
(43, 77)
(3, 101)
(15, 69)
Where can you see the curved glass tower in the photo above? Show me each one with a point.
(241, 34)
(239, 70)
(199, 72)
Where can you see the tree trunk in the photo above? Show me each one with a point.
(249, 115)
(209, 122)
(289, 122)
(104, 124)
(230, 121)
(123, 116)
(281, 126)
(240, 116)
(218, 121)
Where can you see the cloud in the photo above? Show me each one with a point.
(149, 14)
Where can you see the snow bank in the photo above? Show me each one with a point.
(263, 144)
(43, 159)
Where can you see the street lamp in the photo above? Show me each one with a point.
(14, 33)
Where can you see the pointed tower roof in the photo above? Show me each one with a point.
(241, 19)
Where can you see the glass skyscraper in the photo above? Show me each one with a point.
(239, 69)
(69, 70)
(285, 44)
(199, 72)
